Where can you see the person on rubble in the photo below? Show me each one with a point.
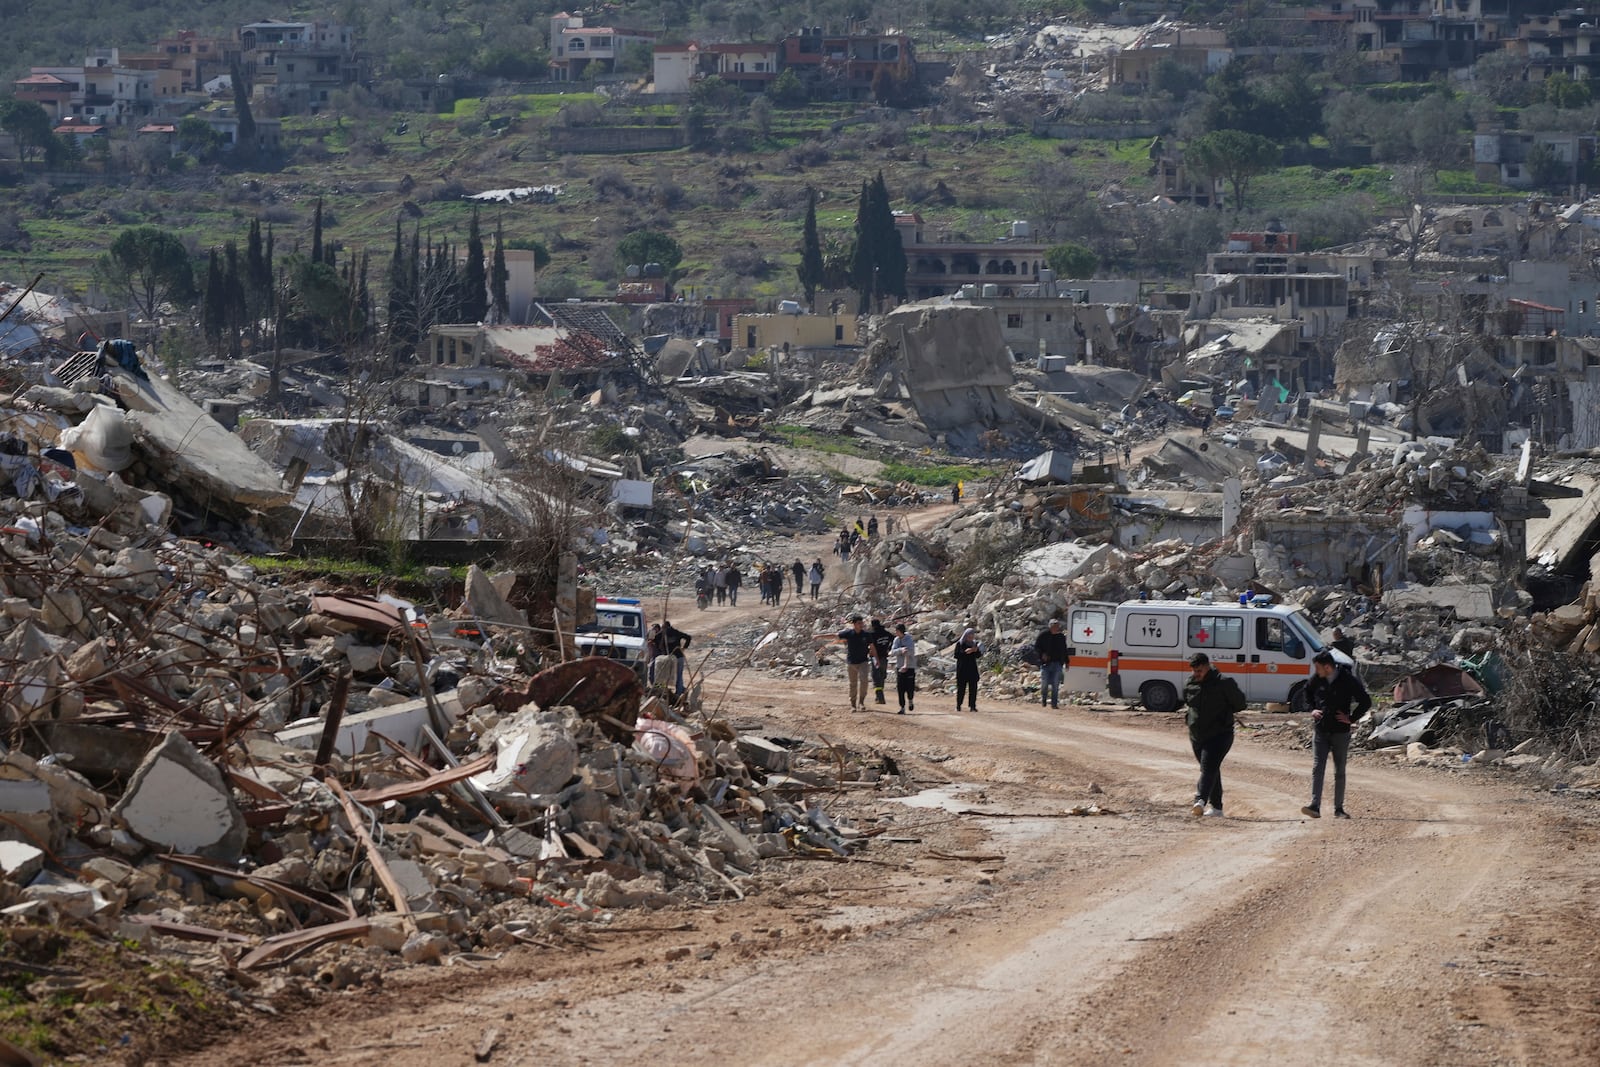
(955, 493)
(1051, 645)
(656, 645)
(969, 654)
(1213, 699)
(799, 570)
(1343, 642)
(860, 659)
(1338, 700)
(733, 582)
(872, 528)
(678, 647)
(881, 640)
(816, 577)
(903, 651)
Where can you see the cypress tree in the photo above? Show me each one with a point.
(891, 252)
(235, 306)
(474, 279)
(400, 291)
(316, 234)
(500, 277)
(212, 303)
(810, 269)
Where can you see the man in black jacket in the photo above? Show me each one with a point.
(1051, 645)
(881, 640)
(1213, 699)
(1338, 700)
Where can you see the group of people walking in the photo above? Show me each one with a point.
(870, 653)
(1335, 695)
(720, 584)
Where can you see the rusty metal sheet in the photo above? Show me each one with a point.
(435, 781)
(595, 687)
(371, 615)
(273, 947)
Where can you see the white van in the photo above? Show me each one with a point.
(1142, 647)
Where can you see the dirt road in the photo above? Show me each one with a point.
(1448, 923)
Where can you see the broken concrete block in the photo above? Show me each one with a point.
(425, 948)
(177, 799)
(759, 752)
(364, 659)
(20, 862)
(413, 880)
(532, 756)
(485, 601)
(114, 871)
(68, 898)
(387, 932)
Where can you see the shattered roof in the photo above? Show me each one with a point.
(547, 348)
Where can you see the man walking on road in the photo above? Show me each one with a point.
(881, 640)
(1051, 645)
(799, 577)
(816, 577)
(904, 653)
(1338, 700)
(968, 650)
(1213, 699)
(859, 658)
(734, 581)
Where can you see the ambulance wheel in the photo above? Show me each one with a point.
(1158, 696)
(1297, 699)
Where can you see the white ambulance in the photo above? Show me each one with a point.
(1142, 648)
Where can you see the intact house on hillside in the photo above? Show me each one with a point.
(752, 67)
(941, 267)
(578, 49)
(468, 361)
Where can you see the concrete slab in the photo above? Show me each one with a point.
(531, 757)
(211, 462)
(1062, 562)
(20, 862)
(1468, 601)
(177, 799)
(401, 723)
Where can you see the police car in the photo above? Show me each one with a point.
(618, 631)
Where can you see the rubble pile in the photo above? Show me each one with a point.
(190, 748)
